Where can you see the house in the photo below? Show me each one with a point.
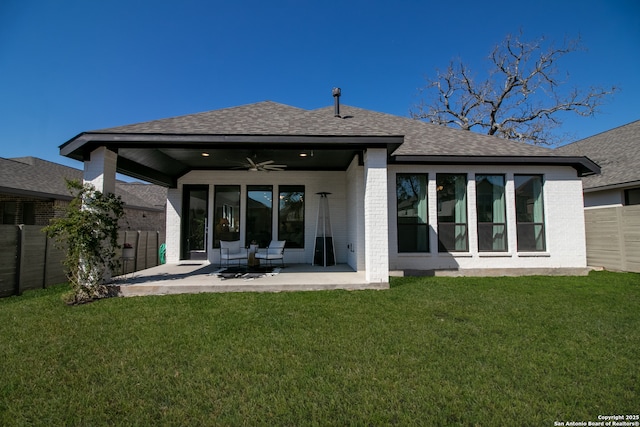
(404, 195)
(33, 191)
(617, 152)
(612, 199)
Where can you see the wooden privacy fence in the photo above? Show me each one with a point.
(613, 238)
(30, 260)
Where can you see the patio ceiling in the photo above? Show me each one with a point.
(162, 159)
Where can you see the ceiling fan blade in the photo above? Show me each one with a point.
(266, 162)
(251, 163)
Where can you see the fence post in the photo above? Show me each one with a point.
(46, 262)
(19, 257)
(19, 261)
(620, 233)
(137, 246)
(9, 235)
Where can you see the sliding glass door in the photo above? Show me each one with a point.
(194, 221)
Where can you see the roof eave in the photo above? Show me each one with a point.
(35, 194)
(78, 146)
(620, 185)
(583, 165)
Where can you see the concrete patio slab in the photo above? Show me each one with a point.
(199, 276)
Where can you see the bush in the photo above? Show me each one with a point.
(89, 233)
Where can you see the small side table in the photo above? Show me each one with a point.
(252, 261)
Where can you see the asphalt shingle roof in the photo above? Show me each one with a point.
(253, 124)
(41, 178)
(617, 151)
(271, 118)
(422, 138)
(262, 118)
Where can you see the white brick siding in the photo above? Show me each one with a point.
(376, 216)
(174, 211)
(100, 170)
(314, 182)
(362, 206)
(564, 222)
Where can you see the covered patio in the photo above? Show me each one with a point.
(191, 276)
(252, 174)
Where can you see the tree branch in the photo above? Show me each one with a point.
(520, 99)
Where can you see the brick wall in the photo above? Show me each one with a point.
(314, 182)
(43, 210)
(137, 219)
(351, 210)
(564, 222)
(376, 216)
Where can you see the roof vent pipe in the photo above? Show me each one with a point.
(336, 102)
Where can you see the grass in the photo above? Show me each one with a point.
(429, 351)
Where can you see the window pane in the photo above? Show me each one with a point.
(29, 213)
(259, 214)
(529, 213)
(226, 214)
(411, 194)
(632, 197)
(9, 212)
(452, 212)
(492, 227)
(291, 215)
(530, 237)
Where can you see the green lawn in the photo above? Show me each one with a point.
(429, 351)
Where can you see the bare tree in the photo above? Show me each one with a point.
(520, 99)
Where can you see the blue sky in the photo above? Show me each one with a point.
(68, 66)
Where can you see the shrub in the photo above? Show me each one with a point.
(89, 233)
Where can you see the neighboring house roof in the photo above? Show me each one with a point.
(162, 150)
(617, 151)
(34, 177)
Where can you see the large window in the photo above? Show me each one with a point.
(226, 214)
(529, 213)
(291, 215)
(259, 214)
(452, 212)
(492, 227)
(411, 194)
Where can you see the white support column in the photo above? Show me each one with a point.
(100, 170)
(376, 216)
(174, 211)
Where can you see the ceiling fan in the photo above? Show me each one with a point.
(266, 166)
